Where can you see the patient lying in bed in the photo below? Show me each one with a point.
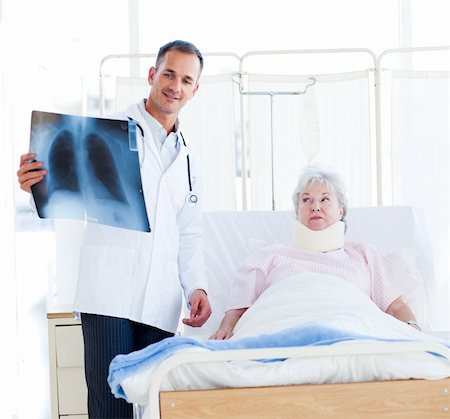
(321, 294)
(321, 207)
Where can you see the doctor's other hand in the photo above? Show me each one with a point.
(30, 171)
(200, 309)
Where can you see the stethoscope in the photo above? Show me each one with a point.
(191, 198)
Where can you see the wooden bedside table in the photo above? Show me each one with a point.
(66, 357)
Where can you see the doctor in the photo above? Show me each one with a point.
(129, 292)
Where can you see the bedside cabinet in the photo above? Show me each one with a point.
(67, 383)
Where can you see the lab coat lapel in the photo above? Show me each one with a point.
(180, 158)
(148, 142)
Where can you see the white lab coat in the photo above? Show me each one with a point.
(136, 275)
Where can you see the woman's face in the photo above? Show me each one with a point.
(318, 206)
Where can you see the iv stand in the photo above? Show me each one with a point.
(272, 94)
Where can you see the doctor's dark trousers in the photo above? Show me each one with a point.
(104, 338)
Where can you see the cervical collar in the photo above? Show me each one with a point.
(330, 238)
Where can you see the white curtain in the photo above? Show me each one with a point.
(329, 124)
(420, 161)
(128, 90)
(211, 124)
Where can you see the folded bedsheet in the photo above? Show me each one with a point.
(304, 310)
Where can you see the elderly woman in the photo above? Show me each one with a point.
(321, 206)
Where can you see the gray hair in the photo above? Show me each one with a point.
(313, 174)
(182, 46)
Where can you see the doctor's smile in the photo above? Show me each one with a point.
(171, 96)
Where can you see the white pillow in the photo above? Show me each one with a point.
(254, 244)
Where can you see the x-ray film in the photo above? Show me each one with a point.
(93, 170)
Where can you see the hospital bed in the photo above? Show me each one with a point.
(368, 378)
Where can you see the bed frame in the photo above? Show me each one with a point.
(410, 399)
(396, 398)
(389, 228)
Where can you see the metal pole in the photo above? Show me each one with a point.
(378, 136)
(272, 151)
(312, 82)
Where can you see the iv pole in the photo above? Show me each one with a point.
(271, 94)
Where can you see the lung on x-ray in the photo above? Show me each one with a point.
(93, 170)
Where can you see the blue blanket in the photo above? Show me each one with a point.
(309, 334)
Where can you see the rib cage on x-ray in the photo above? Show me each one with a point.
(93, 170)
(103, 168)
(62, 163)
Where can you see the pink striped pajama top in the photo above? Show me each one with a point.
(359, 263)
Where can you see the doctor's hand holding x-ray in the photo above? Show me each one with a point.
(130, 282)
(30, 171)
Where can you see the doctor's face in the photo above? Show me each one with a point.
(318, 206)
(173, 83)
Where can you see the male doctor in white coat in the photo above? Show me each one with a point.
(128, 291)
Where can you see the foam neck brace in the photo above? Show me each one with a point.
(330, 238)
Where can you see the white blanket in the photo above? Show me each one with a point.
(325, 300)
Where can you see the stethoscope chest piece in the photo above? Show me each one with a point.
(191, 199)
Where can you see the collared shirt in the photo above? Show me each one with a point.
(167, 145)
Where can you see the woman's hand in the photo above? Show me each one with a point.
(222, 334)
(227, 324)
(401, 311)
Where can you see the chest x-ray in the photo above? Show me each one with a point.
(93, 170)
